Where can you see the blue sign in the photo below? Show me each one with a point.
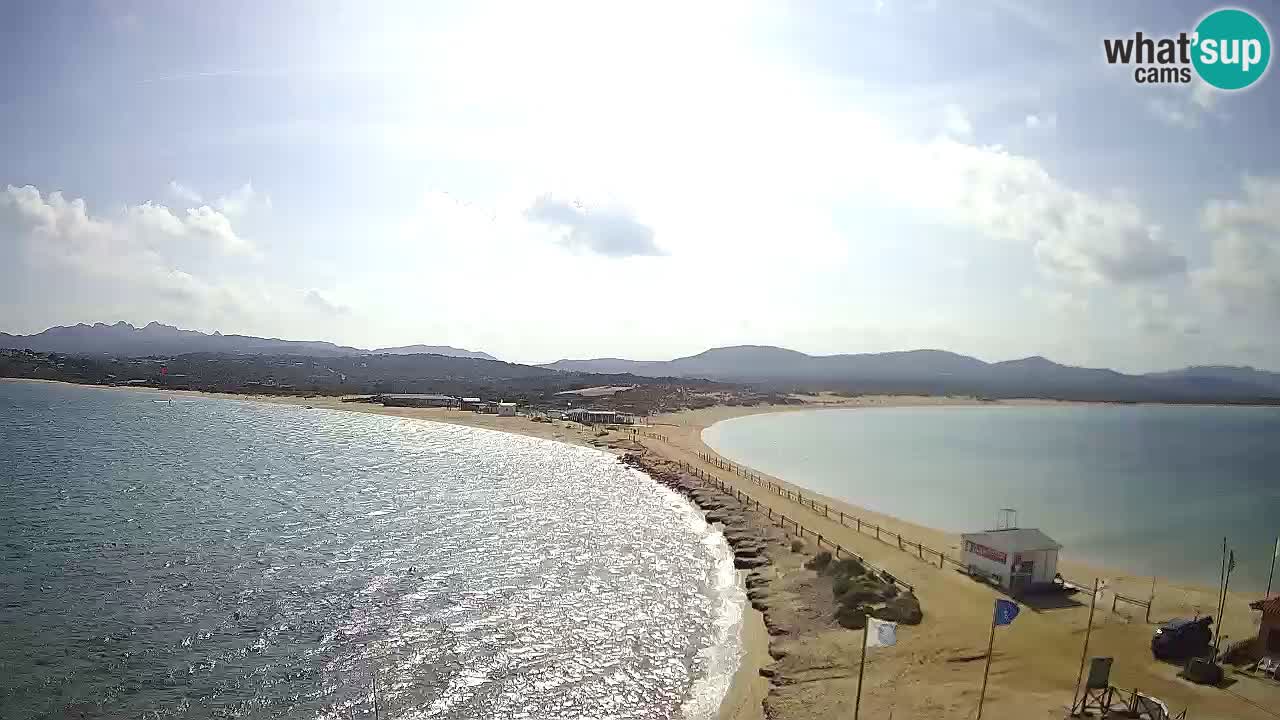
(1006, 611)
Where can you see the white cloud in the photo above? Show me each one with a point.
(606, 230)
(1042, 121)
(1156, 313)
(1074, 235)
(955, 122)
(1203, 95)
(1244, 268)
(314, 300)
(1182, 107)
(143, 256)
(155, 217)
(1174, 113)
(235, 204)
(238, 202)
(184, 193)
(212, 225)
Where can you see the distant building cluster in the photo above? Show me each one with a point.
(598, 417)
(427, 400)
(586, 416)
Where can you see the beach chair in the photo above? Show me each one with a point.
(1149, 707)
(1270, 666)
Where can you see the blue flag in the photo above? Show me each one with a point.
(1006, 611)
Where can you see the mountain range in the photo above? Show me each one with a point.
(943, 372)
(446, 350)
(933, 372)
(124, 340)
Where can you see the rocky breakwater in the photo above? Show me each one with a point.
(813, 605)
(751, 539)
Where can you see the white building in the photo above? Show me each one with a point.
(506, 409)
(1015, 558)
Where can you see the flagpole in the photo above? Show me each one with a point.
(1231, 565)
(1093, 601)
(1222, 581)
(1274, 555)
(1221, 607)
(1223, 575)
(857, 703)
(990, 644)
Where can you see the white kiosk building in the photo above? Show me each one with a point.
(1016, 559)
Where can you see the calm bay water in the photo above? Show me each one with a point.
(1150, 489)
(213, 558)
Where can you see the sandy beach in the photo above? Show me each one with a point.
(810, 669)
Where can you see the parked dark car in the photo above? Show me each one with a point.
(1181, 639)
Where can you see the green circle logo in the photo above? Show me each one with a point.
(1232, 49)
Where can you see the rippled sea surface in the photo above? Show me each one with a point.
(214, 558)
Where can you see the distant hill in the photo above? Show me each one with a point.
(124, 340)
(942, 372)
(930, 372)
(445, 350)
(1214, 375)
(763, 363)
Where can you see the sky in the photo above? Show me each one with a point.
(640, 180)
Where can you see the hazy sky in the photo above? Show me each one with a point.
(546, 180)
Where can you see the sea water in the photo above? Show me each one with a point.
(1149, 489)
(213, 558)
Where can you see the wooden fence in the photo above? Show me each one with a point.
(884, 535)
(790, 524)
(1144, 604)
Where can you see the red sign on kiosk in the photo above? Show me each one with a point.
(986, 552)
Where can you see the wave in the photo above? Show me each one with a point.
(717, 663)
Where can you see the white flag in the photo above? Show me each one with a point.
(1277, 555)
(881, 633)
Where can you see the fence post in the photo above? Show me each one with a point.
(941, 559)
(1114, 598)
(859, 523)
(921, 549)
(877, 532)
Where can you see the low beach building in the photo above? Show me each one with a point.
(506, 409)
(1016, 559)
(469, 403)
(1268, 642)
(417, 400)
(594, 417)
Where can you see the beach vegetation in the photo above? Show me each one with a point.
(847, 567)
(819, 562)
(853, 617)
